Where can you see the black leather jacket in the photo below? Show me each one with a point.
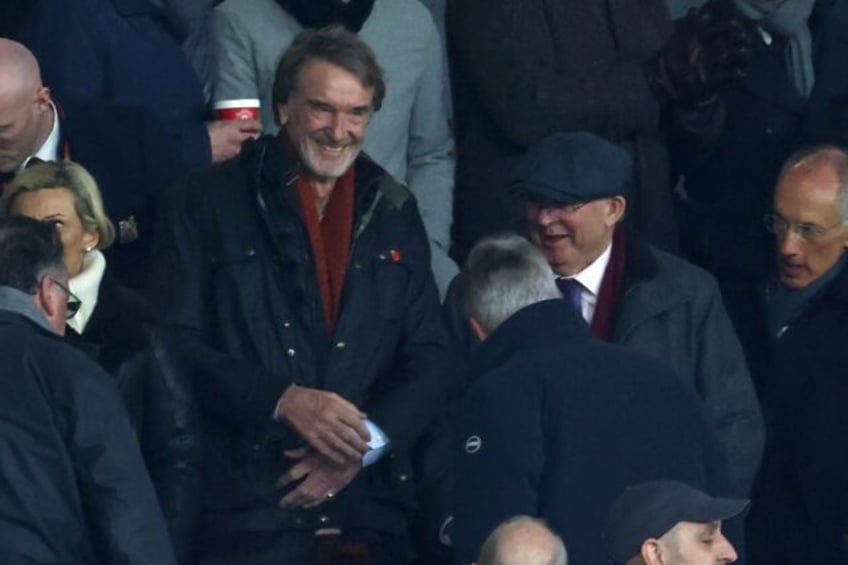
(121, 336)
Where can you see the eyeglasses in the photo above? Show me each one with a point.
(550, 206)
(74, 302)
(808, 231)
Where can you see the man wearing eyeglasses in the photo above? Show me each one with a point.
(798, 356)
(73, 485)
(576, 188)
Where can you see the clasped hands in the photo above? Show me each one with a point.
(337, 436)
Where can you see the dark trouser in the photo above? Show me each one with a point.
(294, 547)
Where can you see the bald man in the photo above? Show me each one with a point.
(123, 148)
(523, 540)
(26, 116)
(796, 348)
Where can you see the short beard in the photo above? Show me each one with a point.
(307, 162)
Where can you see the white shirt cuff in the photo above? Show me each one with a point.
(379, 444)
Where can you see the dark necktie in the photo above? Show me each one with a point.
(572, 290)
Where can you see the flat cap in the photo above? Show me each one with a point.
(649, 510)
(570, 168)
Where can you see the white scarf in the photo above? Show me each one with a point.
(86, 287)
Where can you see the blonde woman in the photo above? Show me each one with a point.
(113, 324)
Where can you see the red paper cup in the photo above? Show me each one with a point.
(244, 109)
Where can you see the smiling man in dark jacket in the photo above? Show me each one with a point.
(297, 279)
(577, 188)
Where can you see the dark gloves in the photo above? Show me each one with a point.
(709, 47)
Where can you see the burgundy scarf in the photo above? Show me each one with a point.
(611, 287)
(330, 236)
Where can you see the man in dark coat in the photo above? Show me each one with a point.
(297, 279)
(119, 52)
(788, 97)
(75, 488)
(123, 148)
(576, 190)
(796, 345)
(522, 70)
(556, 422)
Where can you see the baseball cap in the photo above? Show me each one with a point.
(649, 510)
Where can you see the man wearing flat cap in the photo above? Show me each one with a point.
(575, 187)
(670, 523)
(556, 423)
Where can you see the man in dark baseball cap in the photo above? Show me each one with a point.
(575, 188)
(670, 523)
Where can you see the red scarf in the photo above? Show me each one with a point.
(611, 287)
(330, 236)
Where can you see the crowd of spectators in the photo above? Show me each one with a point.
(248, 340)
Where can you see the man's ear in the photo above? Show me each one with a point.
(615, 209)
(652, 552)
(51, 304)
(478, 328)
(42, 98)
(282, 114)
(43, 299)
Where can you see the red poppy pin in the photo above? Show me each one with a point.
(395, 255)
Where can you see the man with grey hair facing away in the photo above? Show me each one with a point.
(523, 540)
(557, 422)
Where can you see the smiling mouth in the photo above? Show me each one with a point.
(333, 148)
(552, 238)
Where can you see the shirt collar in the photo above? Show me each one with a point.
(49, 150)
(86, 286)
(592, 276)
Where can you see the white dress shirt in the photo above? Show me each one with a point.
(49, 150)
(590, 279)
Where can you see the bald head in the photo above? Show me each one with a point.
(19, 70)
(26, 116)
(810, 161)
(523, 541)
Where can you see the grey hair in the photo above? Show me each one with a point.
(817, 155)
(503, 274)
(490, 553)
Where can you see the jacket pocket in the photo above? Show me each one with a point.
(391, 281)
(237, 283)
